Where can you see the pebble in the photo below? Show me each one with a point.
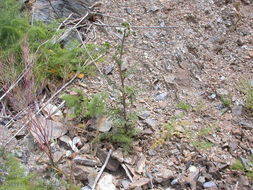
(151, 122)
(209, 184)
(237, 110)
(161, 96)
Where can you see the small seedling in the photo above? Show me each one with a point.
(184, 106)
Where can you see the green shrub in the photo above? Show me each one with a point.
(84, 106)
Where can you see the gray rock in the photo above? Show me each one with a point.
(117, 154)
(152, 152)
(81, 160)
(43, 11)
(212, 96)
(201, 179)
(161, 96)
(125, 183)
(86, 188)
(237, 110)
(222, 92)
(209, 184)
(151, 122)
(108, 69)
(113, 164)
(141, 164)
(144, 115)
(246, 2)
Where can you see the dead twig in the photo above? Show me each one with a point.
(102, 169)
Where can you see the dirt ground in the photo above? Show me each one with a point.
(187, 57)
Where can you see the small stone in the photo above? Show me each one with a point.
(161, 96)
(201, 179)
(239, 42)
(192, 169)
(117, 154)
(163, 175)
(246, 2)
(125, 183)
(212, 96)
(108, 69)
(65, 141)
(144, 115)
(151, 122)
(250, 53)
(139, 183)
(174, 181)
(106, 183)
(237, 110)
(129, 11)
(104, 124)
(112, 165)
(152, 152)
(85, 149)
(141, 164)
(209, 184)
(222, 92)
(82, 160)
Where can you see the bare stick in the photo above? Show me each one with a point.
(49, 100)
(127, 172)
(102, 169)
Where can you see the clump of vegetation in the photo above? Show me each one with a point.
(84, 106)
(184, 106)
(247, 89)
(14, 176)
(202, 144)
(226, 101)
(35, 53)
(248, 171)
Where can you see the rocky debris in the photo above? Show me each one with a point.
(104, 124)
(163, 175)
(125, 183)
(162, 96)
(106, 182)
(82, 172)
(43, 10)
(144, 115)
(151, 122)
(113, 164)
(139, 183)
(210, 184)
(83, 160)
(237, 110)
(118, 154)
(141, 163)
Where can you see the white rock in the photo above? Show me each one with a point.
(106, 183)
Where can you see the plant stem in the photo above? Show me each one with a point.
(122, 79)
